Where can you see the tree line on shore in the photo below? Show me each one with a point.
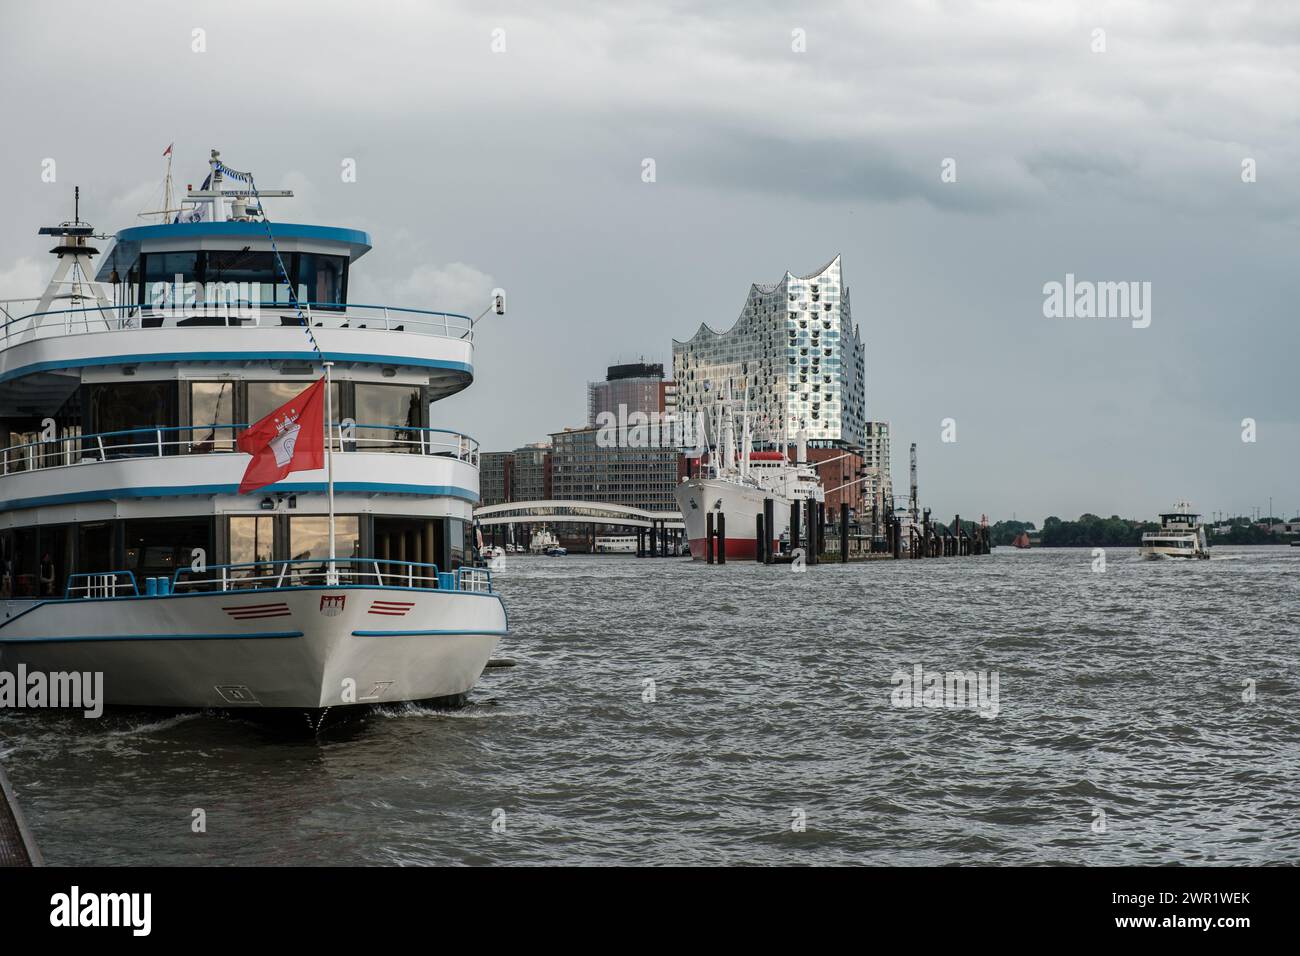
(1093, 531)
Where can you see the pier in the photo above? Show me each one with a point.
(17, 846)
(815, 540)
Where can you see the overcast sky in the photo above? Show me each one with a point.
(523, 169)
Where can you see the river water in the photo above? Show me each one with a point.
(664, 712)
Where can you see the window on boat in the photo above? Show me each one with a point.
(309, 537)
(127, 406)
(394, 411)
(158, 546)
(251, 540)
(212, 405)
(262, 398)
(321, 279)
(241, 276)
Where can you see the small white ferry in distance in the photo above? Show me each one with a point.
(1181, 535)
(125, 546)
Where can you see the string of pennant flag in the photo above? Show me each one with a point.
(279, 262)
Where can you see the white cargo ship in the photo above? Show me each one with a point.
(737, 485)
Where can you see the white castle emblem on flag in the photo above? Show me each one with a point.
(331, 605)
(286, 436)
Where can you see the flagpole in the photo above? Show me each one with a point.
(332, 579)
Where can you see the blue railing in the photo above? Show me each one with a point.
(241, 313)
(216, 439)
(315, 572)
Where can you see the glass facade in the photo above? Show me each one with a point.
(797, 354)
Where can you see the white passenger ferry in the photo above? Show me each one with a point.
(1181, 535)
(124, 545)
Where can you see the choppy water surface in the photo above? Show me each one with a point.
(1120, 693)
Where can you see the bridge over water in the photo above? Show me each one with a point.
(658, 532)
(575, 512)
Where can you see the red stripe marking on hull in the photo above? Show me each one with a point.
(738, 549)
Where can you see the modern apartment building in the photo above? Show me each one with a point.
(586, 469)
(532, 473)
(495, 470)
(520, 475)
(879, 488)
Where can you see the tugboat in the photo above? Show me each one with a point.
(130, 403)
(1181, 535)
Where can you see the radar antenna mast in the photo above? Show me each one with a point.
(72, 280)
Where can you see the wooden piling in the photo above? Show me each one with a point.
(844, 532)
(814, 545)
(769, 521)
(722, 538)
(758, 539)
(708, 537)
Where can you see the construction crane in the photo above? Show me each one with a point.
(912, 503)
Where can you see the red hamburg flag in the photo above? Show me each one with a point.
(291, 438)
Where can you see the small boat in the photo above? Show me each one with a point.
(616, 544)
(556, 552)
(1181, 535)
(1021, 541)
(543, 541)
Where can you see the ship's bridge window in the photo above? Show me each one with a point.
(245, 276)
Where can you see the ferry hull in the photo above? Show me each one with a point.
(1157, 554)
(740, 503)
(301, 648)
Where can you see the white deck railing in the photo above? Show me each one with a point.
(17, 328)
(220, 439)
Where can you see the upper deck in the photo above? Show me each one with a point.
(221, 290)
(68, 341)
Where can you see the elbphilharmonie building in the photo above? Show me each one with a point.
(794, 351)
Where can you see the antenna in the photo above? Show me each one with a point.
(167, 209)
(73, 278)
